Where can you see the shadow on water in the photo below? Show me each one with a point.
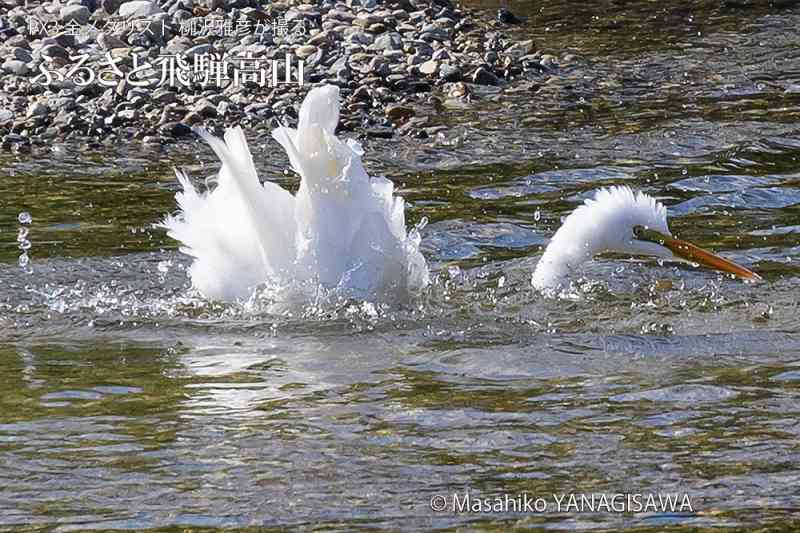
(129, 402)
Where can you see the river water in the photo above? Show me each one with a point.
(128, 402)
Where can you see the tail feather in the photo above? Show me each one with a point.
(239, 172)
(342, 229)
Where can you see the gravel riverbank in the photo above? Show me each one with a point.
(148, 71)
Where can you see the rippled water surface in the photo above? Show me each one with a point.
(130, 403)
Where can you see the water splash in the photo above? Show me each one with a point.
(23, 243)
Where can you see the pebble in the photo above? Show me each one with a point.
(15, 66)
(380, 133)
(548, 61)
(128, 115)
(385, 55)
(204, 108)
(108, 41)
(450, 73)
(197, 50)
(389, 41)
(37, 109)
(22, 54)
(164, 97)
(55, 50)
(520, 49)
(139, 9)
(429, 68)
(483, 76)
(175, 129)
(398, 112)
(305, 51)
(505, 16)
(79, 14)
(323, 38)
(111, 6)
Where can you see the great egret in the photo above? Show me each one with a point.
(619, 220)
(343, 230)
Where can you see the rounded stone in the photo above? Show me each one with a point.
(388, 41)
(79, 14)
(139, 9)
(37, 109)
(483, 76)
(398, 112)
(429, 68)
(15, 66)
(450, 73)
(305, 51)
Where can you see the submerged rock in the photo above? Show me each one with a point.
(507, 17)
(484, 76)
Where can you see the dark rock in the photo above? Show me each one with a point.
(450, 73)
(419, 86)
(380, 133)
(108, 41)
(362, 93)
(484, 76)
(55, 50)
(110, 6)
(204, 108)
(21, 54)
(505, 16)
(397, 113)
(175, 129)
(37, 109)
(397, 82)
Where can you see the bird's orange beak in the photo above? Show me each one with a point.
(694, 254)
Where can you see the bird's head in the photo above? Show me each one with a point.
(680, 250)
(619, 220)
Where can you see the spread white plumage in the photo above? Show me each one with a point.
(343, 230)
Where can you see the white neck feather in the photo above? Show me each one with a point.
(603, 223)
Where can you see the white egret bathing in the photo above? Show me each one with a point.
(619, 220)
(343, 230)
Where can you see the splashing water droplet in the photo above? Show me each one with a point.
(22, 234)
(25, 218)
(24, 260)
(684, 172)
(537, 215)
(501, 282)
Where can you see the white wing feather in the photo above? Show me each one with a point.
(343, 230)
